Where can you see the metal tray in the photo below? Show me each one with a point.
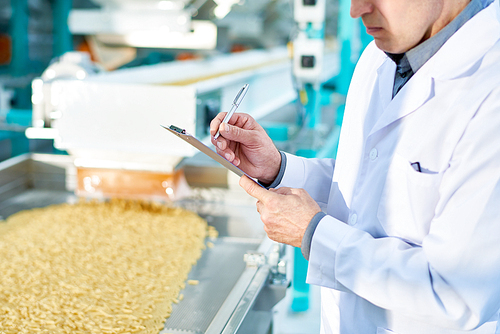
(228, 288)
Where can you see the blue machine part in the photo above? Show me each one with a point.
(19, 32)
(63, 41)
(353, 39)
(13, 140)
(300, 301)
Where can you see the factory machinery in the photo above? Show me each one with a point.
(241, 277)
(110, 125)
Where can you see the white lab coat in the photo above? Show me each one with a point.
(413, 252)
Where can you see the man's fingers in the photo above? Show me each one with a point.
(229, 156)
(259, 206)
(236, 133)
(239, 120)
(253, 189)
(283, 191)
(215, 123)
(220, 143)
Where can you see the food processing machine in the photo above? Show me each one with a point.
(108, 117)
(109, 123)
(112, 120)
(240, 278)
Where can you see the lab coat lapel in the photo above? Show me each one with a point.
(471, 42)
(386, 73)
(414, 94)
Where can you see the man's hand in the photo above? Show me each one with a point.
(246, 144)
(285, 212)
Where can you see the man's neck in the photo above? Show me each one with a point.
(451, 9)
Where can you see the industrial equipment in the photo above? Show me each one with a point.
(114, 118)
(153, 24)
(241, 277)
(308, 60)
(109, 123)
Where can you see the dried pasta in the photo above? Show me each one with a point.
(95, 267)
(212, 232)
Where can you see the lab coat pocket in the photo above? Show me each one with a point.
(408, 200)
(381, 330)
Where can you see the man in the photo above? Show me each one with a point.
(406, 223)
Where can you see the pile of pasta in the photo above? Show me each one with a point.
(95, 267)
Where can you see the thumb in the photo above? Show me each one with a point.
(253, 189)
(236, 134)
(282, 191)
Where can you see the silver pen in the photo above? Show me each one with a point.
(236, 102)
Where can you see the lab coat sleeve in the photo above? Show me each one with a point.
(312, 175)
(453, 279)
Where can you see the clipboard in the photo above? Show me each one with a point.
(182, 134)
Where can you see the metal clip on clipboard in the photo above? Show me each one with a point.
(181, 133)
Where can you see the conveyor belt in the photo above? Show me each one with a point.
(222, 274)
(34, 198)
(218, 270)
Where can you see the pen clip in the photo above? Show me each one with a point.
(416, 166)
(241, 94)
(236, 102)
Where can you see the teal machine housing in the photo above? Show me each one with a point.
(21, 70)
(313, 96)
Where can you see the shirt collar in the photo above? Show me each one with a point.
(415, 58)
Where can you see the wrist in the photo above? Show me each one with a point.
(305, 246)
(277, 169)
(274, 167)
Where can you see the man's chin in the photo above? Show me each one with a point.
(388, 47)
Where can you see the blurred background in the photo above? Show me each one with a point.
(86, 84)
